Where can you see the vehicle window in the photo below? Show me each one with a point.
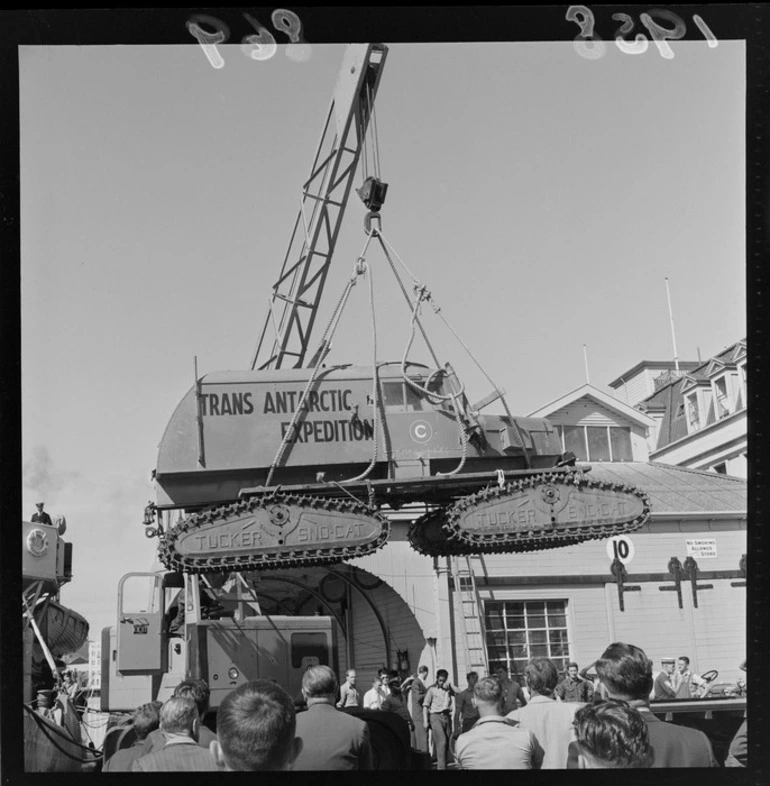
(413, 401)
(308, 645)
(393, 394)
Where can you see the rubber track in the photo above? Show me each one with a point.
(264, 561)
(460, 541)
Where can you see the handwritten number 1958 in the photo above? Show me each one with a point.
(589, 45)
(259, 46)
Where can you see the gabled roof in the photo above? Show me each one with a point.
(676, 489)
(605, 399)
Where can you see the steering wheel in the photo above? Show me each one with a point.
(710, 676)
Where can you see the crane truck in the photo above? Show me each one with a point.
(295, 461)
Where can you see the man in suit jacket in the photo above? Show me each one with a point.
(180, 724)
(549, 720)
(146, 719)
(626, 673)
(331, 739)
(198, 691)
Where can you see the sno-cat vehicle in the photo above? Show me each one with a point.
(295, 461)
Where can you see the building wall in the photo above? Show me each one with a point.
(423, 612)
(725, 440)
(588, 412)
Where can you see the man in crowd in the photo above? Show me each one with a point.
(663, 687)
(396, 701)
(549, 720)
(198, 691)
(573, 687)
(513, 695)
(374, 697)
(437, 716)
(466, 713)
(146, 719)
(611, 734)
(686, 683)
(494, 742)
(417, 691)
(331, 740)
(40, 516)
(626, 673)
(348, 694)
(256, 724)
(180, 724)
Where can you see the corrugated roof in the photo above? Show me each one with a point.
(676, 489)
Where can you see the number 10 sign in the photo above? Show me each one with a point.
(620, 547)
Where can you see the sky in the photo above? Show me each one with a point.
(542, 197)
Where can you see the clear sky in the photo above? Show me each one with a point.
(542, 197)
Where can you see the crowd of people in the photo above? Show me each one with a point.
(561, 722)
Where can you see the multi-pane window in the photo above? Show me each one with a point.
(518, 631)
(597, 443)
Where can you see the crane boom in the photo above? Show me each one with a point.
(297, 292)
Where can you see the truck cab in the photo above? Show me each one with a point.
(173, 626)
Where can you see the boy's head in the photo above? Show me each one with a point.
(611, 734)
(256, 727)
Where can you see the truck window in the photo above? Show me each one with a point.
(393, 394)
(304, 645)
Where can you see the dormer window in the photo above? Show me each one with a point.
(724, 404)
(692, 411)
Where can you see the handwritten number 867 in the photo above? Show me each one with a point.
(259, 46)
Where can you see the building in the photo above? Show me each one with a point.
(94, 664)
(700, 418)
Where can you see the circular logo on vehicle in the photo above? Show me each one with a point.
(421, 431)
(37, 543)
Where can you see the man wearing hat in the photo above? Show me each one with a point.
(663, 687)
(40, 516)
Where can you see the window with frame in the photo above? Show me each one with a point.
(722, 395)
(691, 409)
(520, 630)
(597, 443)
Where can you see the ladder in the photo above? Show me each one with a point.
(471, 614)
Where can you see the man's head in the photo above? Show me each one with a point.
(501, 673)
(488, 696)
(39, 506)
(669, 665)
(256, 728)
(318, 682)
(611, 734)
(572, 669)
(422, 672)
(683, 663)
(179, 716)
(383, 676)
(197, 690)
(626, 672)
(442, 675)
(472, 677)
(394, 683)
(147, 719)
(350, 677)
(542, 676)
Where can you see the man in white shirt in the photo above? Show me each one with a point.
(494, 742)
(374, 697)
(348, 693)
(685, 682)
